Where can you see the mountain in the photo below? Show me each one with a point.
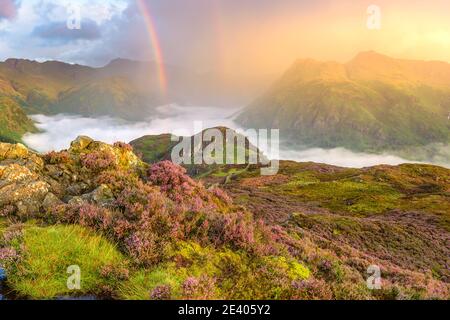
(123, 88)
(371, 103)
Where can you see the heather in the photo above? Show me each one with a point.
(344, 220)
(173, 237)
(151, 231)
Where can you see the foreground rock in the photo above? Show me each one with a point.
(31, 183)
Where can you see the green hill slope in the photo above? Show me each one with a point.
(154, 148)
(123, 88)
(372, 103)
(13, 121)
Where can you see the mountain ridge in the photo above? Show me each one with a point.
(41, 87)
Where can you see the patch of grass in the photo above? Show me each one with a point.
(303, 178)
(49, 251)
(154, 148)
(348, 196)
(3, 226)
(438, 205)
(221, 173)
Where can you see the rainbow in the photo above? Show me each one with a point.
(154, 42)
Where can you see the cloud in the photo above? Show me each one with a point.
(58, 131)
(342, 157)
(38, 32)
(60, 33)
(8, 9)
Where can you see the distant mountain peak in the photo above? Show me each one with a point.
(118, 61)
(371, 54)
(15, 63)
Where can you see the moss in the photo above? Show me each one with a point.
(350, 196)
(49, 251)
(290, 267)
(237, 275)
(142, 282)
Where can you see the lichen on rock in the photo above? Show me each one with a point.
(33, 183)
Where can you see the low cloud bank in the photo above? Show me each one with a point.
(342, 157)
(58, 131)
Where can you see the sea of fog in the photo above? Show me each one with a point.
(56, 133)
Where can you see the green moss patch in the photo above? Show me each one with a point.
(234, 274)
(354, 197)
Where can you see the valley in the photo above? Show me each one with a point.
(142, 227)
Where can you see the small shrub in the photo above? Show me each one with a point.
(202, 288)
(8, 256)
(222, 195)
(311, 289)
(86, 215)
(142, 247)
(61, 157)
(98, 160)
(161, 293)
(7, 211)
(124, 146)
(118, 180)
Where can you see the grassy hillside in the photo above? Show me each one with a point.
(372, 103)
(152, 149)
(395, 217)
(14, 123)
(141, 231)
(123, 88)
(114, 96)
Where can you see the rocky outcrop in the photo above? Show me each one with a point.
(32, 183)
(22, 188)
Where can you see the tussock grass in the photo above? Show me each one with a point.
(3, 226)
(49, 251)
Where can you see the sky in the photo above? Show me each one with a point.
(232, 36)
